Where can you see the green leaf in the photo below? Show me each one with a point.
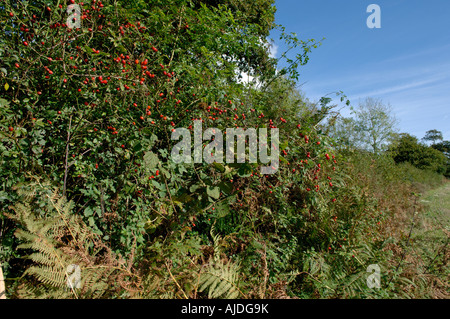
(219, 167)
(183, 198)
(213, 192)
(4, 102)
(3, 196)
(194, 187)
(88, 212)
(226, 187)
(165, 172)
(283, 159)
(137, 147)
(151, 160)
(245, 170)
(158, 185)
(222, 210)
(284, 145)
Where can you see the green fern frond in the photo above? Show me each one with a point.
(97, 280)
(221, 280)
(50, 275)
(42, 258)
(58, 239)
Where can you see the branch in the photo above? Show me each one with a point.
(66, 164)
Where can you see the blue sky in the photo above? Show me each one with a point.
(406, 62)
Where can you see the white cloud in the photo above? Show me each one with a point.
(273, 48)
(403, 87)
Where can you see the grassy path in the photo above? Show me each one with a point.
(436, 215)
(430, 240)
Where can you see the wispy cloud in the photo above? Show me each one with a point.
(419, 95)
(399, 88)
(381, 78)
(379, 81)
(427, 52)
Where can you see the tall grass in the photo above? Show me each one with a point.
(395, 190)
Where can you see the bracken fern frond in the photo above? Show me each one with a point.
(58, 240)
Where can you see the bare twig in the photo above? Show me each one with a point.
(176, 282)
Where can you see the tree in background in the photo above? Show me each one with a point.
(444, 147)
(375, 124)
(372, 126)
(437, 142)
(343, 129)
(433, 136)
(409, 149)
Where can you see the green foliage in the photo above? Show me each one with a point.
(433, 136)
(220, 278)
(444, 147)
(408, 149)
(56, 243)
(86, 117)
(372, 126)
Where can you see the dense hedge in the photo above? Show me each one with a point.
(87, 114)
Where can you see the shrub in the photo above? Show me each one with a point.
(408, 149)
